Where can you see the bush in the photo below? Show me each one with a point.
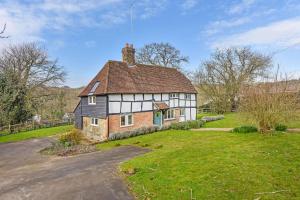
(187, 125)
(245, 129)
(71, 138)
(212, 118)
(280, 127)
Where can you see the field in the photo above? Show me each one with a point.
(35, 133)
(214, 165)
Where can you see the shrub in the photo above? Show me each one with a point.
(187, 125)
(212, 118)
(245, 129)
(71, 138)
(280, 127)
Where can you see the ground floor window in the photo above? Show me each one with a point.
(170, 114)
(94, 121)
(182, 111)
(126, 120)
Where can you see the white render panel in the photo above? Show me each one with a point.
(181, 96)
(128, 97)
(139, 97)
(181, 118)
(167, 102)
(157, 97)
(147, 106)
(193, 113)
(126, 107)
(165, 96)
(172, 103)
(188, 103)
(114, 107)
(181, 103)
(193, 97)
(136, 106)
(147, 96)
(114, 97)
(193, 103)
(188, 114)
(176, 102)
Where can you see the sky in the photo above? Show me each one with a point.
(84, 34)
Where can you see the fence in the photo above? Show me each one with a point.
(28, 126)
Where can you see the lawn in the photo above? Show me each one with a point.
(35, 133)
(214, 165)
(233, 120)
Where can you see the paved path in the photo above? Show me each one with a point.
(212, 129)
(25, 174)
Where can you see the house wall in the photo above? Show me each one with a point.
(170, 121)
(141, 119)
(133, 103)
(99, 132)
(98, 110)
(78, 117)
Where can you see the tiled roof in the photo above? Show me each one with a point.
(118, 77)
(161, 106)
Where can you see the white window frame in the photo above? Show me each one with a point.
(166, 115)
(126, 120)
(92, 100)
(174, 96)
(182, 112)
(187, 96)
(94, 121)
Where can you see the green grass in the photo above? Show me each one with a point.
(233, 120)
(44, 132)
(214, 165)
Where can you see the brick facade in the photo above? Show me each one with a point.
(95, 132)
(170, 121)
(140, 119)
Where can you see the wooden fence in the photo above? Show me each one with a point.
(32, 125)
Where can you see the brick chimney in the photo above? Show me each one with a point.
(128, 54)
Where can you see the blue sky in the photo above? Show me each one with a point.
(84, 34)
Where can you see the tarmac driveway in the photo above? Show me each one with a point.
(25, 174)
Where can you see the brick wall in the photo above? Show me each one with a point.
(170, 121)
(95, 132)
(141, 119)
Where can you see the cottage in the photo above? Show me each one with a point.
(126, 95)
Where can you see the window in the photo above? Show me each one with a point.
(173, 95)
(182, 111)
(126, 120)
(92, 100)
(170, 114)
(94, 121)
(187, 96)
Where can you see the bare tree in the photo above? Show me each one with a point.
(162, 54)
(222, 76)
(2, 32)
(24, 69)
(270, 102)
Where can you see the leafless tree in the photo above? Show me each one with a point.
(24, 70)
(162, 54)
(2, 32)
(222, 76)
(270, 102)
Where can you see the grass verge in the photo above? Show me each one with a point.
(44, 132)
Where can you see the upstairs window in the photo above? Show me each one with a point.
(173, 95)
(92, 100)
(187, 96)
(126, 120)
(170, 114)
(94, 121)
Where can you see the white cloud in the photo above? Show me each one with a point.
(218, 26)
(188, 4)
(90, 43)
(240, 7)
(283, 33)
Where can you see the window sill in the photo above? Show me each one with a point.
(170, 119)
(91, 103)
(94, 125)
(126, 126)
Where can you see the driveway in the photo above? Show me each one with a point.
(25, 174)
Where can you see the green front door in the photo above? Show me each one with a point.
(157, 118)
